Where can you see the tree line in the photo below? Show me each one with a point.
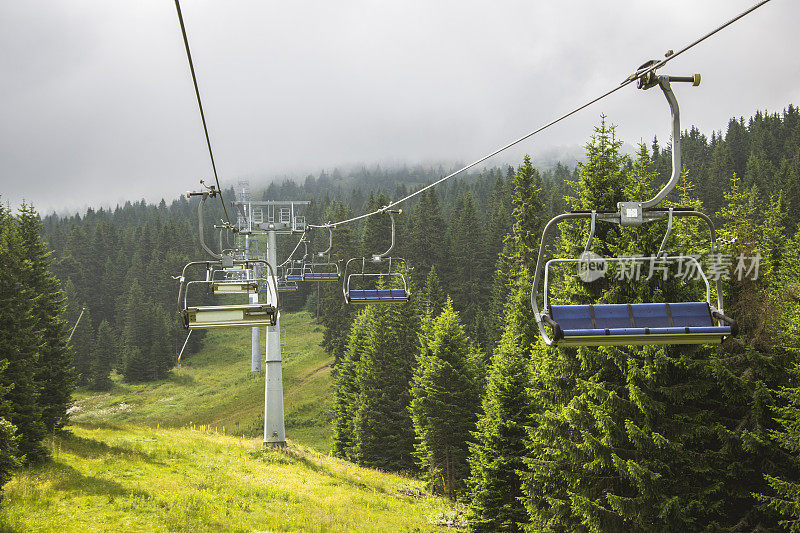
(456, 384)
(618, 438)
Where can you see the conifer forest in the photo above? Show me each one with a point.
(601, 343)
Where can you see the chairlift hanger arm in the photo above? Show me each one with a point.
(211, 192)
(330, 242)
(391, 213)
(664, 82)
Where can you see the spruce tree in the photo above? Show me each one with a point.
(54, 372)
(425, 242)
(445, 394)
(604, 449)
(466, 279)
(383, 436)
(346, 387)
(81, 343)
(528, 210)
(336, 315)
(21, 342)
(497, 453)
(103, 357)
(9, 451)
(431, 299)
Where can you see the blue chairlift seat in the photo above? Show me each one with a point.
(377, 295)
(282, 287)
(637, 324)
(313, 276)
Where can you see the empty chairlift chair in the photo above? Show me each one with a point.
(237, 281)
(376, 279)
(697, 322)
(294, 271)
(263, 313)
(282, 284)
(324, 269)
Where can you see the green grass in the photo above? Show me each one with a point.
(134, 478)
(185, 454)
(215, 388)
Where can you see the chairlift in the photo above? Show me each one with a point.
(653, 323)
(324, 269)
(375, 280)
(234, 315)
(294, 270)
(233, 281)
(284, 285)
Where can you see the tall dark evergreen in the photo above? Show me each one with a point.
(445, 396)
(347, 387)
(335, 315)
(383, 436)
(9, 451)
(21, 342)
(104, 352)
(54, 374)
(425, 242)
(498, 450)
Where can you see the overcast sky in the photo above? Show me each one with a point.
(97, 106)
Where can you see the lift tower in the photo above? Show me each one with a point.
(271, 218)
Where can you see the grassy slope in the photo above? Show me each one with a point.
(214, 387)
(184, 454)
(134, 478)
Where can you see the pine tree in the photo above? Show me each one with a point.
(347, 388)
(9, 451)
(103, 357)
(55, 377)
(784, 496)
(21, 342)
(528, 210)
(383, 435)
(465, 279)
(137, 338)
(425, 240)
(377, 229)
(496, 456)
(603, 449)
(336, 315)
(445, 395)
(431, 299)
(81, 342)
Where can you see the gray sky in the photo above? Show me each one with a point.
(97, 106)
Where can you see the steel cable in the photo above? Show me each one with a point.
(633, 77)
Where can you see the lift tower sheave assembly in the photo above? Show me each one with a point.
(271, 218)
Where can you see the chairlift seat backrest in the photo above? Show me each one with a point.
(320, 275)
(234, 287)
(377, 295)
(646, 323)
(223, 316)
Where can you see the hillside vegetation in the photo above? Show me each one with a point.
(215, 388)
(185, 454)
(133, 478)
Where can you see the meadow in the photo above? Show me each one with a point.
(185, 454)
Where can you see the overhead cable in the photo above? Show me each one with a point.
(200, 106)
(644, 71)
